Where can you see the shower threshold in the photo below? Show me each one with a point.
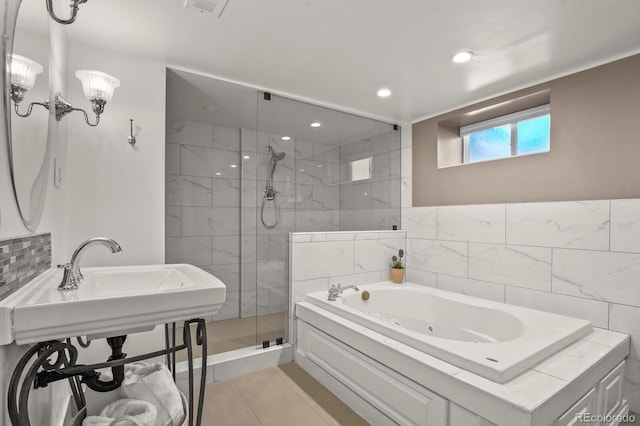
(238, 333)
(236, 363)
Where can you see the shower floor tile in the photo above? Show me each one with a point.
(236, 333)
(283, 395)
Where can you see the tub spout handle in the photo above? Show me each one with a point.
(335, 291)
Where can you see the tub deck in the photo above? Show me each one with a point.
(493, 340)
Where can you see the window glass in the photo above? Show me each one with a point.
(361, 169)
(490, 144)
(534, 135)
(520, 133)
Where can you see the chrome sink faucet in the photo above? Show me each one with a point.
(335, 291)
(72, 274)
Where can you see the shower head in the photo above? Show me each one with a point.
(276, 156)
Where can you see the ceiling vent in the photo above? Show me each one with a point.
(214, 7)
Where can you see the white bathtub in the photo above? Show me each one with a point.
(491, 339)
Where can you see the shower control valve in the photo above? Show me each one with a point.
(270, 193)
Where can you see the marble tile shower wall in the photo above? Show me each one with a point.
(575, 258)
(264, 253)
(206, 226)
(202, 197)
(317, 199)
(374, 203)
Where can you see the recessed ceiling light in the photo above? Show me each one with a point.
(462, 57)
(246, 157)
(218, 173)
(233, 166)
(315, 124)
(301, 170)
(286, 138)
(384, 93)
(319, 165)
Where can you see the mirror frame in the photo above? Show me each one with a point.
(30, 219)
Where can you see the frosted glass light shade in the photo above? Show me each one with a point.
(24, 71)
(97, 85)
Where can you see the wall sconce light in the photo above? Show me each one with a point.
(23, 77)
(97, 86)
(75, 5)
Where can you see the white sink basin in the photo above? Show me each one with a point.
(110, 301)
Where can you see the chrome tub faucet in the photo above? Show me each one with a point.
(72, 274)
(335, 291)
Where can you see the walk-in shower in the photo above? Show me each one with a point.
(247, 170)
(269, 194)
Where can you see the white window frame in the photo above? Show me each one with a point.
(510, 119)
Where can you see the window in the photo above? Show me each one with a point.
(521, 133)
(360, 169)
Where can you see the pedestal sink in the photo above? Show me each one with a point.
(109, 301)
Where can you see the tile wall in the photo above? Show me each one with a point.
(317, 193)
(202, 197)
(575, 258)
(322, 259)
(375, 203)
(264, 250)
(21, 260)
(214, 210)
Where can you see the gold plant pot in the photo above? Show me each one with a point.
(396, 275)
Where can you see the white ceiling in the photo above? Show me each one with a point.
(193, 97)
(339, 53)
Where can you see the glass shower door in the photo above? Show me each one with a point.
(274, 219)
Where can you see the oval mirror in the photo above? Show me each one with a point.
(28, 143)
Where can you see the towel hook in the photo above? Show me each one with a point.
(131, 139)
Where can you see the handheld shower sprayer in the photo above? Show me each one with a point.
(270, 192)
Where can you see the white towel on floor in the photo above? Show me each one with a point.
(154, 383)
(124, 412)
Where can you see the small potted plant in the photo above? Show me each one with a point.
(397, 268)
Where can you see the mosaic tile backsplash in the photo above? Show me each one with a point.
(21, 260)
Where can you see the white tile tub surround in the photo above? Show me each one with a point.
(577, 258)
(318, 260)
(374, 255)
(482, 223)
(571, 224)
(477, 288)
(520, 266)
(608, 276)
(445, 257)
(538, 396)
(625, 225)
(420, 222)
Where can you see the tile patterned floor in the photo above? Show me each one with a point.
(278, 396)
